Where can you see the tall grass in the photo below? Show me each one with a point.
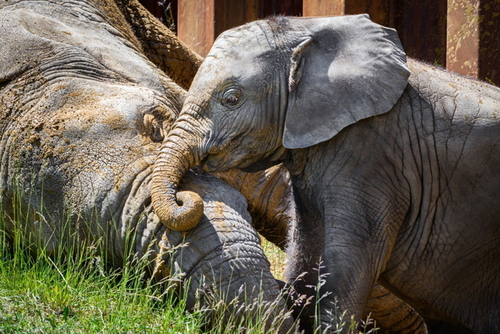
(75, 292)
(339, 320)
(276, 257)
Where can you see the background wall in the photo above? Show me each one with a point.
(461, 35)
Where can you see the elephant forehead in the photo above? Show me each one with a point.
(227, 67)
(242, 47)
(249, 38)
(229, 62)
(83, 107)
(26, 27)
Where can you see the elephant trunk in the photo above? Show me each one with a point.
(178, 210)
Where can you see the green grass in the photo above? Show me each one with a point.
(75, 293)
(67, 295)
(276, 257)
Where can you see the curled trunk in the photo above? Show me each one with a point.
(178, 210)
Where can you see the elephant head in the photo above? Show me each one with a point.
(271, 86)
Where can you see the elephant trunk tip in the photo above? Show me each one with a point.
(182, 212)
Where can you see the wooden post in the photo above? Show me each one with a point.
(489, 41)
(378, 9)
(473, 45)
(421, 26)
(462, 49)
(323, 7)
(196, 24)
(461, 35)
(201, 21)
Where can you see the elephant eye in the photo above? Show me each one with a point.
(231, 97)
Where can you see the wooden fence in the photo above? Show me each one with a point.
(461, 35)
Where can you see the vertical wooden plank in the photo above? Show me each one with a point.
(323, 7)
(489, 41)
(280, 7)
(201, 21)
(231, 13)
(377, 9)
(461, 34)
(462, 51)
(421, 26)
(196, 24)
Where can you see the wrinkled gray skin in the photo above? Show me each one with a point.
(395, 175)
(270, 196)
(82, 114)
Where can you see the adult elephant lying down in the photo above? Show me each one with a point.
(82, 114)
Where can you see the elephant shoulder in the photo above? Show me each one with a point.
(454, 94)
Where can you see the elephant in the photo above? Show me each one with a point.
(88, 90)
(393, 162)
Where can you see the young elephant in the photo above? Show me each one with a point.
(395, 175)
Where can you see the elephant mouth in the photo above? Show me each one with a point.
(260, 165)
(212, 163)
(128, 209)
(224, 161)
(222, 155)
(250, 162)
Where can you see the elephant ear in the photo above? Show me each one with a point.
(347, 69)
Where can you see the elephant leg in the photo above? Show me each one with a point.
(270, 198)
(391, 314)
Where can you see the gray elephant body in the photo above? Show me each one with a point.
(395, 176)
(82, 112)
(411, 198)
